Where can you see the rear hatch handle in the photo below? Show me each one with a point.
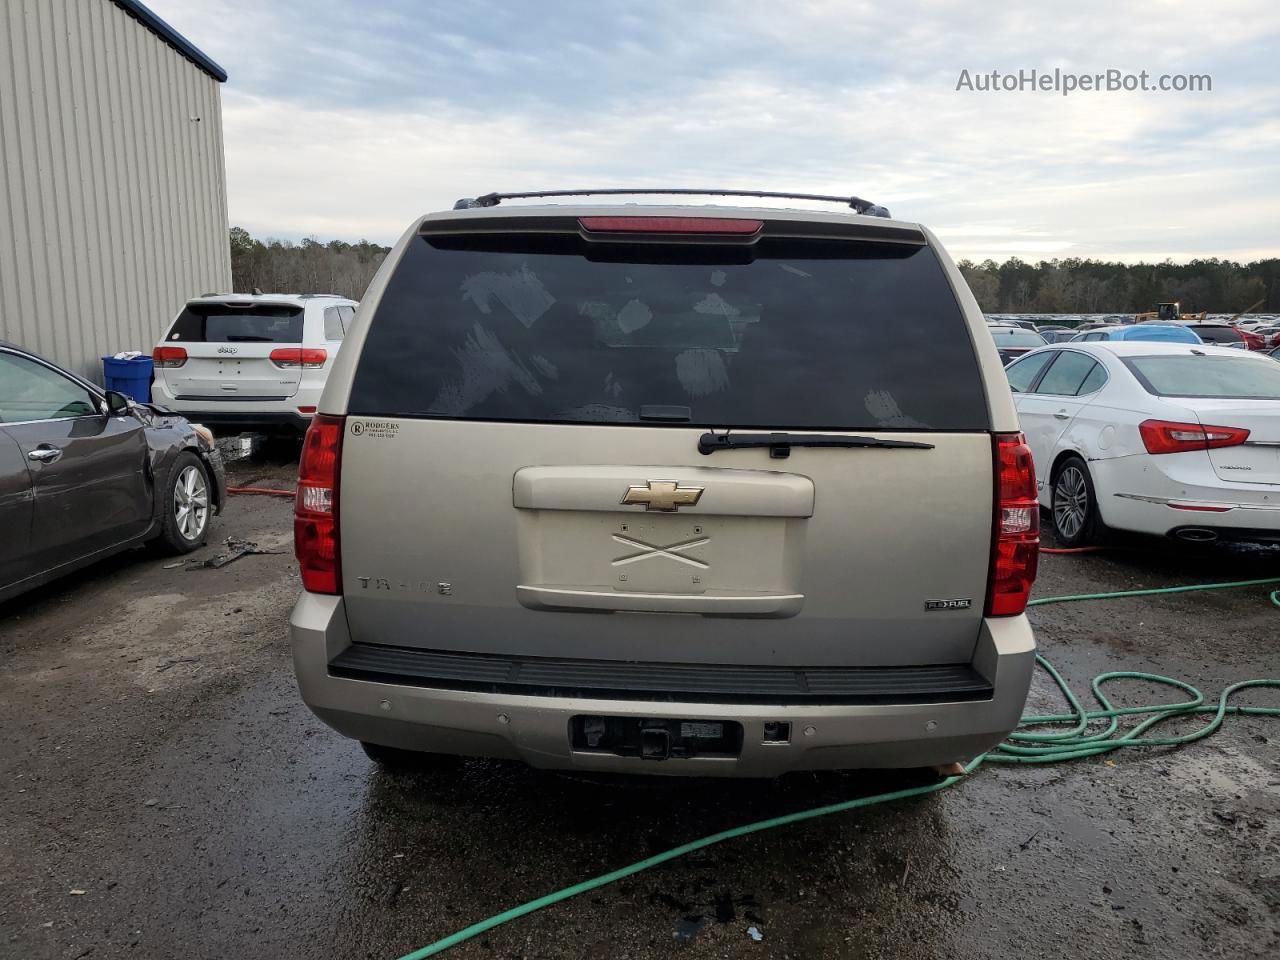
(780, 444)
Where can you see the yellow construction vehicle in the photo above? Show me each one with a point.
(1170, 313)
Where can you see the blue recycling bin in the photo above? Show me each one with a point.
(130, 377)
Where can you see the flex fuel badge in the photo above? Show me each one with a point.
(382, 429)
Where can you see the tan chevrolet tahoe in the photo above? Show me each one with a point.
(679, 489)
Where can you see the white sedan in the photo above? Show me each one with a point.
(1163, 438)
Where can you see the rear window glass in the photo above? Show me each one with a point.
(1017, 338)
(1217, 334)
(221, 323)
(1172, 334)
(788, 334)
(1243, 377)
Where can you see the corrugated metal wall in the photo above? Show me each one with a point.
(113, 198)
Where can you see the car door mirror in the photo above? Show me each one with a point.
(117, 404)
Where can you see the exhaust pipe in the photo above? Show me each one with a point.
(1197, 535)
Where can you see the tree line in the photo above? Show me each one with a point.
(281, 266)
(1050, 286)
(1098, 286)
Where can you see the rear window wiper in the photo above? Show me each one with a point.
(248, 338)
(780, 444)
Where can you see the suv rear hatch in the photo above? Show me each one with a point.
(521, 470)
(229, 347)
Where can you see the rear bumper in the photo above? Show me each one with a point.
(273, 415)
(1139, 495)
(536, 729)
(268, 422)
(1231, 520)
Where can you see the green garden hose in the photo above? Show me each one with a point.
(1022, 746)
(1115, 595)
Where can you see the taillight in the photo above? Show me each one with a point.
(1167, 436)
(670, 225)
(315, 509)
(1015, 552)
(307, 357)
(168, 356)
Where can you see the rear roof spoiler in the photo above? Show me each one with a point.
(539, 221)
(238, 302)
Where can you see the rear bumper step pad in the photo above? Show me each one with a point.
(625, 680)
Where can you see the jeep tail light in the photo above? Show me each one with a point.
(1015, 551)
(306, 357)
(1168, 436)
(315, 509)
(168, 356)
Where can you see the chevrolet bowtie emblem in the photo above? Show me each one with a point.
(665, 495)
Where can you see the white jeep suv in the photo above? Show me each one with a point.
(239, 361)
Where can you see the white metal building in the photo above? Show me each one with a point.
(113, 198)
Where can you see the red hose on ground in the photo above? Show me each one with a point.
(272, 491)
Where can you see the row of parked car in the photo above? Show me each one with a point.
(260, 362)
(1015, 337)
(601, 487)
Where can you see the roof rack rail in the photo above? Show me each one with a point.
(493, 199)
(308, 296)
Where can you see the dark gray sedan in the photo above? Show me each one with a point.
(85, 473)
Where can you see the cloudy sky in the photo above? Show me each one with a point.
(347, 119)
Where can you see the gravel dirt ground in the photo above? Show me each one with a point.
(166, 794)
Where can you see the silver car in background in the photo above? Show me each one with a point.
(648, 489)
